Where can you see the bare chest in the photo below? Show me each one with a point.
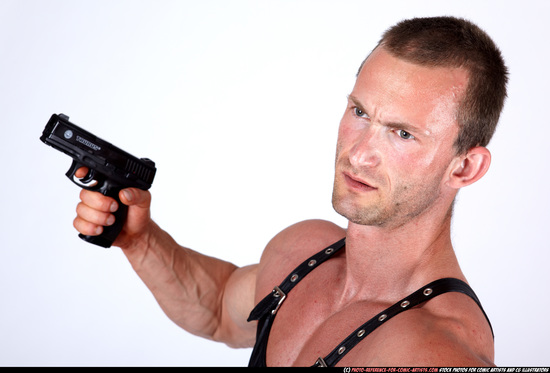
(310, 324)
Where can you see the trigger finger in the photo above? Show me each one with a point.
(81, 172)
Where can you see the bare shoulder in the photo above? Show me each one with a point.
(450, 330)
(301, 240)
(292, 246)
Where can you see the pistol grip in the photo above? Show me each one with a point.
(97, 182)
(111, 232)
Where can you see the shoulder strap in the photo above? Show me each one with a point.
(266, 310)
(422, 295)
(273, 301)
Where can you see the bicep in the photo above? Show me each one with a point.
(236, 304)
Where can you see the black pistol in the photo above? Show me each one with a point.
(110, 169)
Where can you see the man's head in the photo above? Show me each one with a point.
(412, 134)
(455, 42)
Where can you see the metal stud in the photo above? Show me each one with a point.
(312, 262)
(382, 317)
(294, 278)
(427, 291)
(361, 333)
(341, 350)
(405, 303)
(329, 250)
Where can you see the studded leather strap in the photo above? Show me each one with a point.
(422, 295)
(272, 302)
(266, 310)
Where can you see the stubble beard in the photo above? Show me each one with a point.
(404, 202)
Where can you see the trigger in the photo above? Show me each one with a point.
(87, 181)
(89, 177)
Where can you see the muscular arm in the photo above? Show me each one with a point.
(206, 296)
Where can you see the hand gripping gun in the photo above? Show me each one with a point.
(110, 169)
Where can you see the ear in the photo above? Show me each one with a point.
(469, 168)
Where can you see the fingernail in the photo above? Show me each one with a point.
(128, 195)
(110, 220)
(114, 207)
(98, 230)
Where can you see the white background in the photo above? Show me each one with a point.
(238, 103)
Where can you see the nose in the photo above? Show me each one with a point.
(365, 152)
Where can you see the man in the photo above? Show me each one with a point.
(388, 290)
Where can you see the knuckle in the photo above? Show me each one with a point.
(80, 208)
(90, 215)
(96, 200)
(85, 227)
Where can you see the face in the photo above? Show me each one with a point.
(395, 141)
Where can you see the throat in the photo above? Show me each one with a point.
(383, 265)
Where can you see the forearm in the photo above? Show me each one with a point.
(188, 286)
(206, 296)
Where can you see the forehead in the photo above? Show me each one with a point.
(396, 90)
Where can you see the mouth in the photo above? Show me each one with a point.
(357, 184)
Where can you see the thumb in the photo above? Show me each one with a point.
(138, 218)
(135, 197)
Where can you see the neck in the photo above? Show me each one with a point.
(392, 262)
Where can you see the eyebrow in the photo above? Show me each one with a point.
(357, 103)
(395, 125)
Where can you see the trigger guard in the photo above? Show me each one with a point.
(87, 182)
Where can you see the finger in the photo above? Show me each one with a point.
(135, 197)
(81, 172)
(94, 216)
(87, 228)
(98, 201)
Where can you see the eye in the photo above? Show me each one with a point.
(405, 135)
(360, 113)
